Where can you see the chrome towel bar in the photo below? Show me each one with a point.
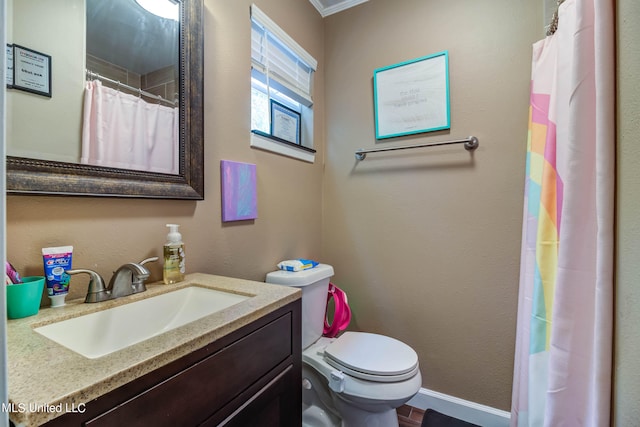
(470, 143)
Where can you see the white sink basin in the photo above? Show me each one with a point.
(98, 334)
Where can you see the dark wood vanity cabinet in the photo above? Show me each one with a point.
(251, 377)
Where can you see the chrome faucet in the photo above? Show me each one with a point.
(121, 283)
(126, 280)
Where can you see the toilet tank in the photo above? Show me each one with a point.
(314, 284)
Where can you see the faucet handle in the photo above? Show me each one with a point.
(151, 259)
(137, 281)
(97, 291)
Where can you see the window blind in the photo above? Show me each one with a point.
(280, 61)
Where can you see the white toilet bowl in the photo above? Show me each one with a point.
(355, 380)
(365, 390)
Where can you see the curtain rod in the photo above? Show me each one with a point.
(92, 75)
(470, 143)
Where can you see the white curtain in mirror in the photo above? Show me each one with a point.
(124, 131)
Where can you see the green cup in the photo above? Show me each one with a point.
(23, 299)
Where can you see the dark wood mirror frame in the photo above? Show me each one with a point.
(31, 176)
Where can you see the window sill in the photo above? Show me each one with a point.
(269, 143)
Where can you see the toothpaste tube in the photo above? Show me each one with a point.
(56, 261)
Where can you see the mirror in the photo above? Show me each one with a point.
(35, 174)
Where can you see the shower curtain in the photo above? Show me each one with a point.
(124, 131)
(563, 358)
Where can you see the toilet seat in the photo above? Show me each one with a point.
(372, 357)
(375, 387)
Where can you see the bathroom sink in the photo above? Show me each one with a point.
(98, 334)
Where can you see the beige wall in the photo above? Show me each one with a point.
(109, 232)
(38, 126)
(627, 338)
(427, 242)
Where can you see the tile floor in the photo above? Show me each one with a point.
(408, 416)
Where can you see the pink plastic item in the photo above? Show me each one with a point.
(342, 314)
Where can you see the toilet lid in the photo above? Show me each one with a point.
(372, 357)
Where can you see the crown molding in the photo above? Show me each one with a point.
(326, 11)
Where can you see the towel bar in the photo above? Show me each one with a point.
(470, 143)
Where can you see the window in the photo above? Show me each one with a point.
(281, 71)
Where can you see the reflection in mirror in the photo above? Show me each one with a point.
(167, 80)
(130, 104)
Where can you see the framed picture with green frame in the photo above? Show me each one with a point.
(412, 97)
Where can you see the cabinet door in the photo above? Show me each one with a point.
(269, 407)
(195, 393)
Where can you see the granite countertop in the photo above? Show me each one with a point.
(47, 379)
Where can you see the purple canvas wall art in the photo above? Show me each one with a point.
(239, 200)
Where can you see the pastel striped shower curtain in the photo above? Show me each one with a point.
(564, 350)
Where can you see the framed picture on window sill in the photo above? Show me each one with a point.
(285, 123)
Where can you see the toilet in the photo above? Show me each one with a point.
(355, 380)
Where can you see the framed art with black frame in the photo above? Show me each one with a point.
(31, 71)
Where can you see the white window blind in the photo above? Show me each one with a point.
(278, 61)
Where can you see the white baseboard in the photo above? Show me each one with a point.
(465, 410)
